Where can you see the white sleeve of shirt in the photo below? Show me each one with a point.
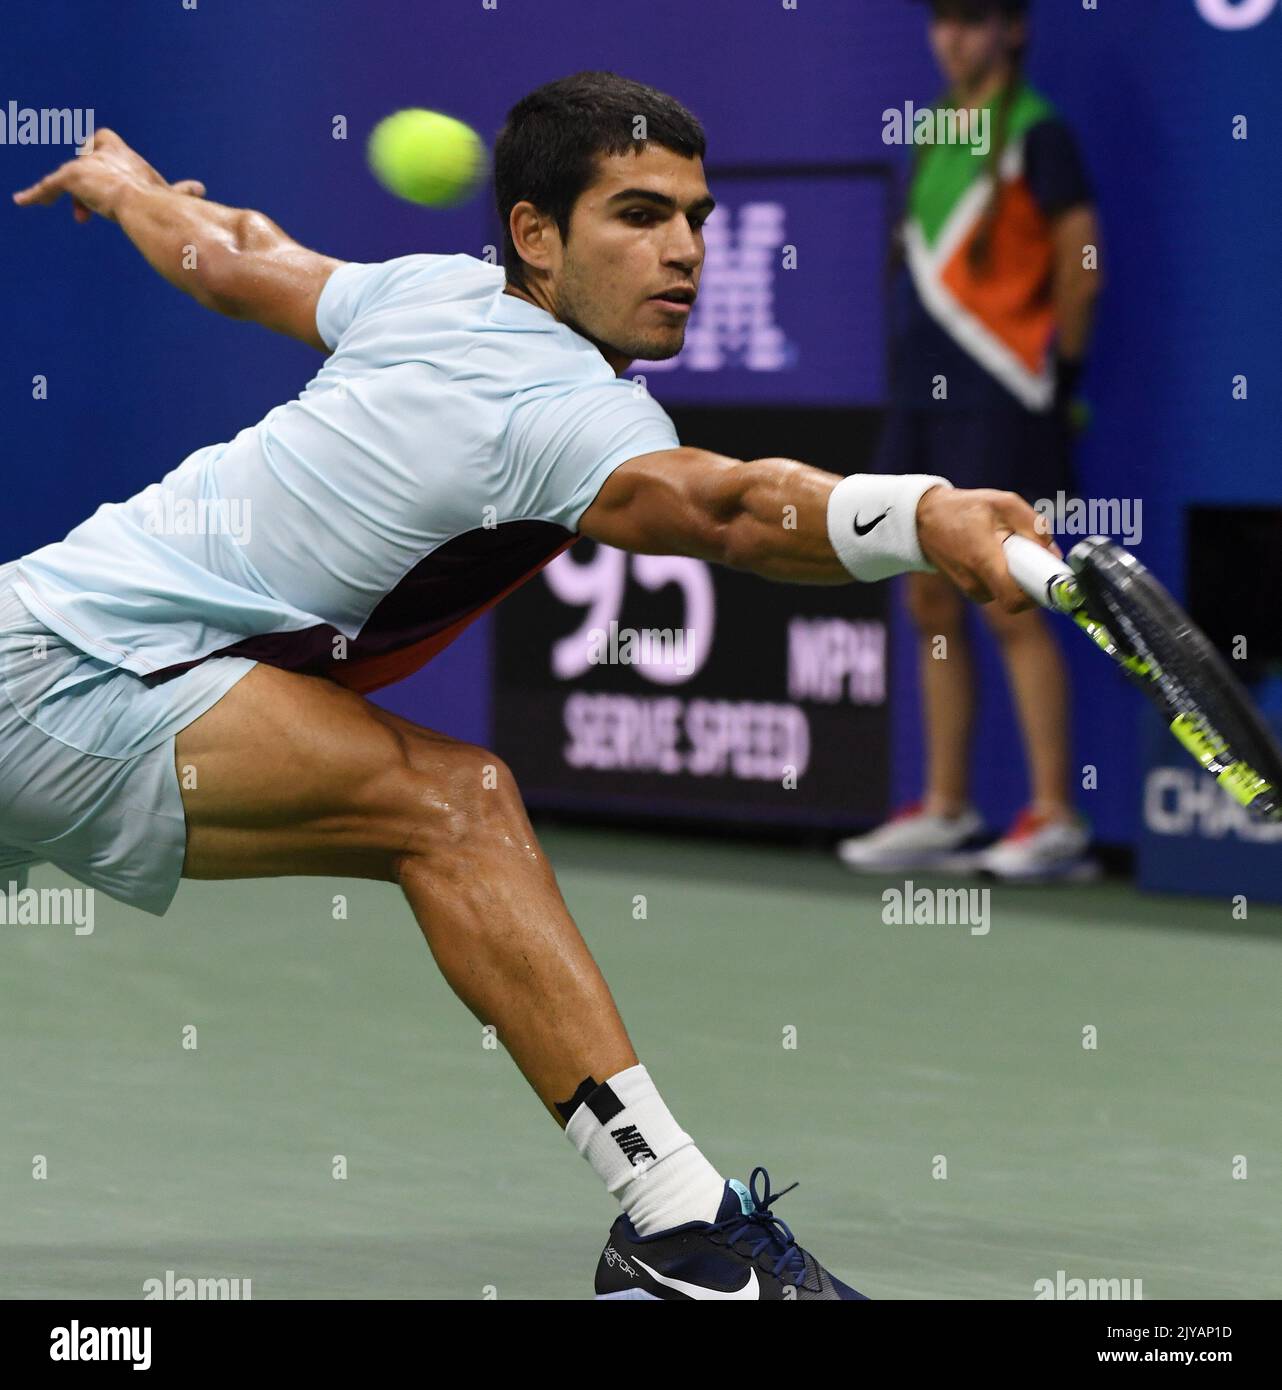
(562, 445)
(356, 287)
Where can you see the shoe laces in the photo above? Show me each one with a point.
(765, 1231)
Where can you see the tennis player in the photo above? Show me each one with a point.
(190, 700)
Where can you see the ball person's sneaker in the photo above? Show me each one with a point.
(746, 1253)
(1037, 849)
(911, 839)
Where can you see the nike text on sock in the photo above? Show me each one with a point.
(643, 1156)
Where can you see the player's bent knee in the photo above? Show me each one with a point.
(447, 801)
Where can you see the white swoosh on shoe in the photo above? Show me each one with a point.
(751, 1288)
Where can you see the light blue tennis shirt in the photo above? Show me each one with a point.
(444, 452)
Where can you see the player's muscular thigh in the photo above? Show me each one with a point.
(291, 774)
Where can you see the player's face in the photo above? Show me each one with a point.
(969, 51)
(636, 235)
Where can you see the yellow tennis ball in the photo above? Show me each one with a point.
(427, 157)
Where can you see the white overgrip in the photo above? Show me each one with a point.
(1041, 574)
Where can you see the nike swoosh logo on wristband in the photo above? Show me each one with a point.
(863, 530)
(751, 1288)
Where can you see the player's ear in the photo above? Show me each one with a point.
(530, 234)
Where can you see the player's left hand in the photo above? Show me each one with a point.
(961, 531)
(94, 180)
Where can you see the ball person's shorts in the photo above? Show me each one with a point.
(1013, 449)
(87, 775)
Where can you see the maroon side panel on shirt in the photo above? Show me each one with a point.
(445, 592)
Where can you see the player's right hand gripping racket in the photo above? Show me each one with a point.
(1128, 614)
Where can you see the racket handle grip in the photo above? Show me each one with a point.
(1041, 574)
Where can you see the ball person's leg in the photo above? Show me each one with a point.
(948, 690)
(1039, 687)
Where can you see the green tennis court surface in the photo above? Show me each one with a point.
(318, 1038)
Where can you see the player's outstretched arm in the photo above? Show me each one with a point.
(232, 260)
(787, 521)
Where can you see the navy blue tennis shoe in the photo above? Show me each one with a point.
(746, 1253)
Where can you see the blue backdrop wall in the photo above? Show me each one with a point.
(245, 95)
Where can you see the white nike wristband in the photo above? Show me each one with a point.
(872, 523)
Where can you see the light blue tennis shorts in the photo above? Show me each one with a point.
(87, 775)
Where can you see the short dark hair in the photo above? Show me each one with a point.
(546, 152)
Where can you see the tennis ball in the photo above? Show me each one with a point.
(427, 157)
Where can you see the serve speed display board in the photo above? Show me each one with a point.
(661, 685)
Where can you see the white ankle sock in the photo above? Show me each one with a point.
(643, 1156)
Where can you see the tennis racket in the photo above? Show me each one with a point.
(1129, 615)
